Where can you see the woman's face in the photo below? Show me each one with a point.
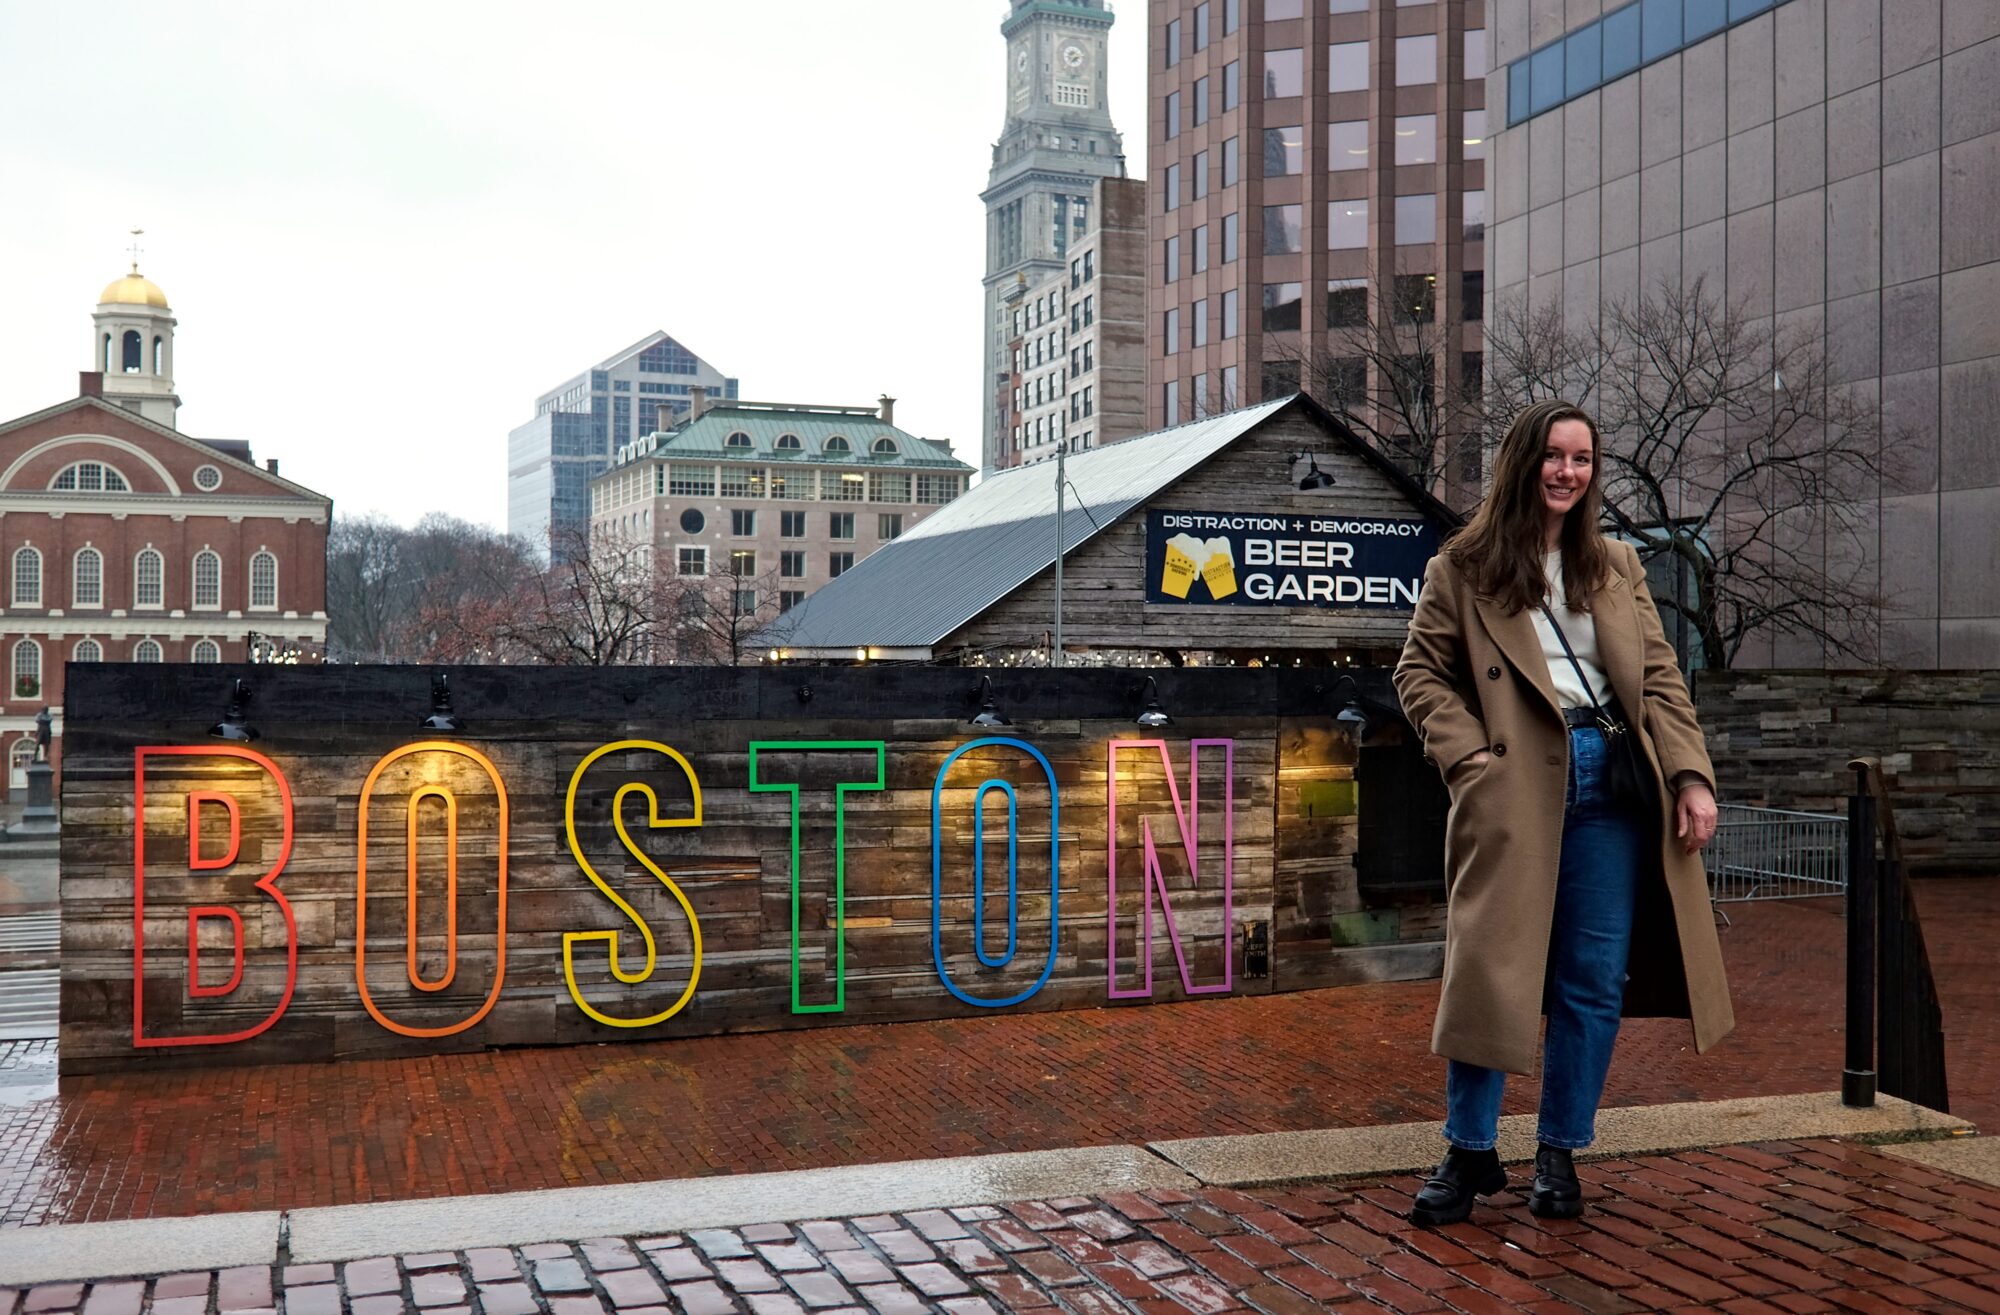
(1567, 465)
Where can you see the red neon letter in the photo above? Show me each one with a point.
(267, 884)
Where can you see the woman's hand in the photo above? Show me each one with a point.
(1478, 758)
(1694, 816)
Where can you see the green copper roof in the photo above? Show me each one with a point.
(708, 438)
(1079, 11)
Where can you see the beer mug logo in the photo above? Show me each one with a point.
(1184, 553)
(1218, 568)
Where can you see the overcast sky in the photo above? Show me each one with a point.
(385, 227)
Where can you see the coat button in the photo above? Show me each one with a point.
(1492, 673)
(1499, 751)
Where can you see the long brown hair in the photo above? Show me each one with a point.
(1500, 550)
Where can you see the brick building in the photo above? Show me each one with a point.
(124, 540)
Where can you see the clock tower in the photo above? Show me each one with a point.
(1058, 141)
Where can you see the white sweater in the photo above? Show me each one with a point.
(1581, 628)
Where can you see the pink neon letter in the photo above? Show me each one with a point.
(1153, 881)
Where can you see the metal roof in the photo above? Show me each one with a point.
(991, 540)
(708, 438)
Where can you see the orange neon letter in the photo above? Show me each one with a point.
(236, 757)
(429, 789)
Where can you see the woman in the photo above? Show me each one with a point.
(1535, 646)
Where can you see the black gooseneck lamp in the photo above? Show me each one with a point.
(442, 719)
(989, 713)
(1152, 716)
(235, 725)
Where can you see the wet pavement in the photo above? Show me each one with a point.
(1751, 1230)
(139, 1146)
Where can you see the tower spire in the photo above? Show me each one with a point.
(137, 233)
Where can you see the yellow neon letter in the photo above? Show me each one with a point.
(610, 938)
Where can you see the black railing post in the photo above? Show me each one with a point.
(1857, 1079)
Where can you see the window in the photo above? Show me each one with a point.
(1173, 43)
(1416, 298)
(1172, 190)
(1201, 26)
(1170, 403)
(1416, 220)
(1200, 398)
(888, 486)
(838, 445)
(692, 521)
(840, 525)
(1231, 325)
(1660, 28)
(207, 478)
(1200, 101)
(146, 650)
(207, 650)
(27, 669)
(742, 524)
(1475, 53)
(1284, 73)
(1173, 259)
(148, 576)
(1283, 229)
(1229, 239)
(1201, 167)
(1232, 85)
(1416, 60)
(739, 439)
(838, 564)
(1281, 379)
(263, 580)
(788, 443)
(889, 525)
(935, 490)
(1583, 60)
(746, 601)
(685, 481)
(87, 578)
(792, 524)
(87, 650)
(691, 561)
(1347, 66)
(1472, 371)
(792, 565)
(1472, 295)
(1346, 303)
(133, 349)
(207, 580)
(1545, 77)
(1416, 139)
(1475, 215)
(27, 577)
(1347, 145)
(1232, 163)
(842, 486)
(1199, 316)
(1173, 115)
(1170, 330)
(742, 482)
(1281, 306)
(1346, 225)
(883, 447)
(1232, 15)
(96, 477)
(1475, 134)
(790, 598)
(1621, 46)
(1284, 151)
(743, 563)
(1199, 246)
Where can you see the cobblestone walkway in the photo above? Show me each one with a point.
(1782, 1227)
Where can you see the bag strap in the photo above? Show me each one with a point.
(1603, 717)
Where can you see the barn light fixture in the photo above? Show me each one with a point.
(233, 725)
(1153, 716)
(442, 718)
(1314, 478)
(989, 713)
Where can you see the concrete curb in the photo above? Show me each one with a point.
(1977, 1158)
(70, 1252)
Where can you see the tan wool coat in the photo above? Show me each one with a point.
(1474, 677)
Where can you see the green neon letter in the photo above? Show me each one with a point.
(839, 896)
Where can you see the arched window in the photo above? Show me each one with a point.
(87, 578)
(159, 354)
(135, 349)
(264, 580)
(146, 650)
(19, 755)
(838, 444)
(739, 439)
(107, 353)
(149, 571)
(89, 477)
(207, 580)
(27, 669)
(88, 650)
(207, 650)
(789, 443)
(27, 577)
(884, 447)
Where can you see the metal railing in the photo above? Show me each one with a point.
(1772, 853)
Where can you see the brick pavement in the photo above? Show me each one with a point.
(137, 1146)
(1750, 1230)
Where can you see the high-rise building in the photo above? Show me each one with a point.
(581, 422)
(1316, 165)
(1078, 346)
(1058, 141)
(1827, 168)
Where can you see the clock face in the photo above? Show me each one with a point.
(1072, 56)
(1021, 62)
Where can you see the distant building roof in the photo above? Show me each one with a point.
(765, 423)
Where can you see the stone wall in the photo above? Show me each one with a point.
(1782, 739)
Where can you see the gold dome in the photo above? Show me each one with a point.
(133, 290)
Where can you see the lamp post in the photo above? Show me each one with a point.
(1062, 449)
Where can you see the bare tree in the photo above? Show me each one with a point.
(1389, 371)
(597, 604)
(1732, 456)
(418, 594)
(712, 618)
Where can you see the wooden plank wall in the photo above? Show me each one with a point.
(327, 728)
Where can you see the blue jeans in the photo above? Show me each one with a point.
(1589, 942)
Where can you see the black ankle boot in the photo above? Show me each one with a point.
(1557, 1194)
(1447, 1195)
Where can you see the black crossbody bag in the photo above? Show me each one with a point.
(1632, 781)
